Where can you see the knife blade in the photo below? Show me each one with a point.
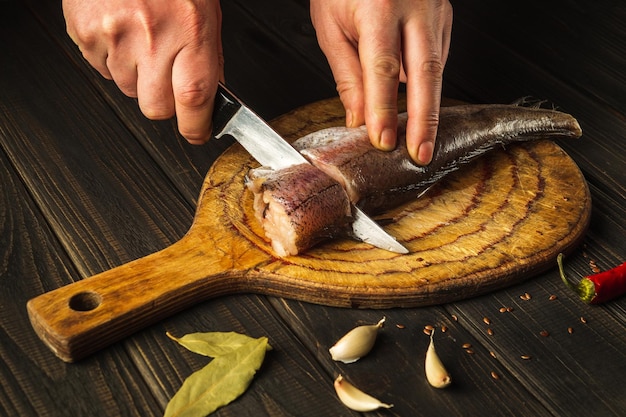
(232, 117)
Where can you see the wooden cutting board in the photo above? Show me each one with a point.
(495, 222)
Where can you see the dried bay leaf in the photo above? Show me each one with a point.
(212, 344)
(220, 382)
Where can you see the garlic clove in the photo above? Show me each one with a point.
(355, 399)
(436, 373)
(356, 343)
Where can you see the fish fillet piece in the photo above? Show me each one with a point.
(298, 207)
(377, 180)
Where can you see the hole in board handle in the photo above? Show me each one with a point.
(85, 301)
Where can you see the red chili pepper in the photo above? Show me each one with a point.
(598, 288)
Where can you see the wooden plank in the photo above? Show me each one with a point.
(394, 369)
(108, 202)
(35, 382)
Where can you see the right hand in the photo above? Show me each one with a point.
(167, 53)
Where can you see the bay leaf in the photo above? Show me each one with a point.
(212, 344)
(220, 382)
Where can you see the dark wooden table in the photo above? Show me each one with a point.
(87, 183)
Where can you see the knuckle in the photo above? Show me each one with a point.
(347, 87)
(194, 137)
(127, 85)
(430, 125)
(433, 66)
(193, 96)
(432, 122)
(112, 29)
(432, 70)
(129, 90)
(387, 66)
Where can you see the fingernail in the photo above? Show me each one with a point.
(387, 139)
(349, 118)
(425, 152)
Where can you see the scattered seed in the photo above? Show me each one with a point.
(525, 357)
(502, 310)
(552, 297)
(570, 330)
(495, 375)
(400, 326)
(593, 266)
(444, 329)
(490, 332)
(493, 354)
(583, 320)
(455, 318)
(544, 333)
(427, 332)
(429, 327)
(486, 320)
(525, 296)
(470, 351)
(509, 309)
(466, 345)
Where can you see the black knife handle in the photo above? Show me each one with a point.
(226, 105)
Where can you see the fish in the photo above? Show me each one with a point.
(302, 205)
(377, 180)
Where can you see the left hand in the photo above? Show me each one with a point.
(371, 46)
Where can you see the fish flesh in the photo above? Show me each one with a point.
(300, 206)
(376, 180)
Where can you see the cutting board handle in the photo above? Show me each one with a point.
(83, 317)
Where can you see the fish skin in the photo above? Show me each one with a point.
(377, 180)
(298, 207)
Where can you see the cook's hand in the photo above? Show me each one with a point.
(167, 53)
(373, 45)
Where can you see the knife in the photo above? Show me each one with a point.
(232, 117)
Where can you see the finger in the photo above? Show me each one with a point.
(194, 82)
(121, 59)
(122, 67)
(92, 47)
(379, 49)
(447, 15)
(345, 65)
(98, 60)
(424, 63)
(93, 52)
(154, 88)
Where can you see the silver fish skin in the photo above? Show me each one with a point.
(377, 180)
